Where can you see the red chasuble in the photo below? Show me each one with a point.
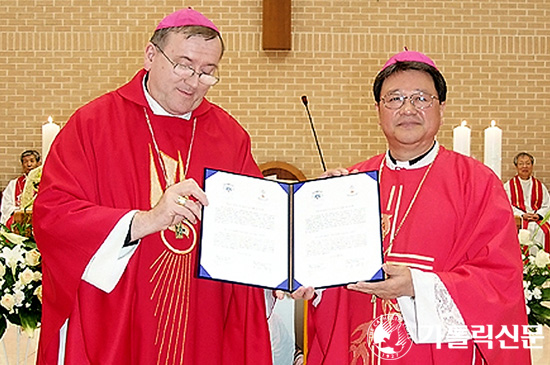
(19, 186)
(102, 165)
(460, 227)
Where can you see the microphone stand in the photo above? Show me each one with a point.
(305, 102)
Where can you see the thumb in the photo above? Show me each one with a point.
(390, 269)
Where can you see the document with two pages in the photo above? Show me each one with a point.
(277, 235)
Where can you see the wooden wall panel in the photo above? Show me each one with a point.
(276, 25)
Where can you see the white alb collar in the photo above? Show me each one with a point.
(415, 163)
(157, 108)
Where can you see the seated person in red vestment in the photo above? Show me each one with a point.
(530, 199)
(117, 218)
(11, 197)
(453, 292)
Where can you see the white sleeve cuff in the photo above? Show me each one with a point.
(109, 262)
(318, 297)
(270, 301)
(432, 316)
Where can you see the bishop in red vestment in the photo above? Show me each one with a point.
(453, 292)
(117, 288)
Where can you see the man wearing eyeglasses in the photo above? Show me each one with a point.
(530, 199)
(453, 289)
(117, 218)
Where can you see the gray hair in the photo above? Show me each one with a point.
(30, 153)
(521, 154)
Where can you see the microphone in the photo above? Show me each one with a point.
(305, 102)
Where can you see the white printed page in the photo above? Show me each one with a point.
(245, 230)
(337, 238)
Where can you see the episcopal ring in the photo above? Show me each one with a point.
(182, 200)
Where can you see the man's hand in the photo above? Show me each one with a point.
(300, 293)
(335, 172)
(397, 284)
(530, 217)
(180, 201)
(340, 171)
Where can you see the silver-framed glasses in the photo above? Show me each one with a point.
(185, 71)
(419, 100)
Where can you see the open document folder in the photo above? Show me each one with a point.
(276, 235)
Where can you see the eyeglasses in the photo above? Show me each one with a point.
(419, 100)
(186, 72)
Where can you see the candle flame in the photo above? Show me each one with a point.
(463, 123)
(50, 119)
(493, 123)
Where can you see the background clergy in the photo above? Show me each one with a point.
(530, 199)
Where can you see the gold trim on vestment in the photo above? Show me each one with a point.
(172, 271)
(412, 256)
(409, 264)
(175, 250)
(172, 279)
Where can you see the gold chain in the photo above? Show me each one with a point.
(157, 150)
(393, 235)
(179, 226)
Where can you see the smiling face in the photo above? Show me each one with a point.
(174, 93)
(410, 131)
(524, 167)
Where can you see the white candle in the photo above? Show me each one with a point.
(461, 139)
(49, 131)
(493, 148)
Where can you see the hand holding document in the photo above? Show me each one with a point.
(318, 233)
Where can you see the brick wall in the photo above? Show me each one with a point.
(57, 55)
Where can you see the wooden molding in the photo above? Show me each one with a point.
(282, 170)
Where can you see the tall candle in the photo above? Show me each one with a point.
(461, 139)
(493, 148)
(49, 131)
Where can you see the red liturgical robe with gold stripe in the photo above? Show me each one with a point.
(101, 166)
(461, 228)
(538, 199)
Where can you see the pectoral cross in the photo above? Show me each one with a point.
(180, 230)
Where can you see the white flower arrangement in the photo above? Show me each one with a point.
(536, 279)
(20, 281)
